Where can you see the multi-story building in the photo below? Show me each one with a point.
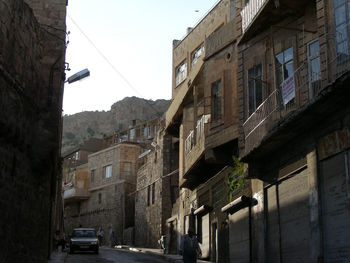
(156, 190)
(32, 54)
(100, 187)
(204, 116)
(293, 75)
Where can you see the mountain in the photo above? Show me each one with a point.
(84, 125)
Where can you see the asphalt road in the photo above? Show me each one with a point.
(111, 256)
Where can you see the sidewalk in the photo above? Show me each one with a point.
(158, 253)
(57, 257)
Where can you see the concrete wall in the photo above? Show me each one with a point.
(30, 125)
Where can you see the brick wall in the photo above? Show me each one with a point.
(29, 132)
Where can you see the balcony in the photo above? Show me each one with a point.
(259, 15)
(275, 114)
(195, 144)
(75, 194)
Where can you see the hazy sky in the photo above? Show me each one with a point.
(129, 50)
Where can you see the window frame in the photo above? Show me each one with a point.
(92, 175)
(106, 168)
(256, 76)
(183, 76)
(345, 25)
(194, 60)
(214, 115)
(313, 82)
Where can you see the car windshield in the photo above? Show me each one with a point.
(84, 233)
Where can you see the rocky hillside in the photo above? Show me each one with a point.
(87, 124)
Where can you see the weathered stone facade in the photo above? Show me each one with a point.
(296, 147)
(31, 43)
(112, 177)
(156, 191)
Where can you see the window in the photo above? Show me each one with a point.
(284, 70)
(314, 63)
(341, 21)
(132, 134)
(108, 171)
(99, 198)
(180, 73)
(148, 195)
(77, 156)
(153, 192)
(196, 55)
(218, 193)
(216, 100)
(284, 65)
(154, 130)
(92, 176)
(255, 88)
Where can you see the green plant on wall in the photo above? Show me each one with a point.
(235, 179)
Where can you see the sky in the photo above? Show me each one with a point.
(127, 46)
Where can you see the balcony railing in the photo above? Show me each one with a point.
(189, 142)
(200, 128)
(250, 11)
(307, 84)
(76, 193)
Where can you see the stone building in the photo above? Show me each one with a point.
(32, 54)
(293, 77)
(99, 189)
(156, 190)
(111, 177)
(204, 116)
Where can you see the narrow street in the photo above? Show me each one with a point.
(111, 256)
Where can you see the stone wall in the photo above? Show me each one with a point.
(29, 131)
(111, 203)
(157, 191)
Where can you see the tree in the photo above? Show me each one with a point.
(235, 179)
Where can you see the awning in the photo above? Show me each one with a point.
(202, 210)
(238, 204)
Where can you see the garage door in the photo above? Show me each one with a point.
(239, 236)
(287, 219)
(335, 209)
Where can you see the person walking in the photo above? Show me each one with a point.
(189, 247)
(100, 234)
(111, 236)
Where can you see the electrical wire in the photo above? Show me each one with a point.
(111, 65)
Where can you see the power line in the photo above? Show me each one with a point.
(111, 65)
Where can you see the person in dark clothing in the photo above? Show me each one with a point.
(189, 247)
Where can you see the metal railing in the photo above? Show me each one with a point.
(200, 128)
(189, 142)
(307, 83)
(250, 11)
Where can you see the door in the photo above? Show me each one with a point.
(215, 242)
(335, 208)
(287, 219)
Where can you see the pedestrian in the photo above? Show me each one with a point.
(189, 247)
(111, 236)
(100, 234)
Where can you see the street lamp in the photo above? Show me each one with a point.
(78, 76)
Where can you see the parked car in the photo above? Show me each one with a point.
(83, 239)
